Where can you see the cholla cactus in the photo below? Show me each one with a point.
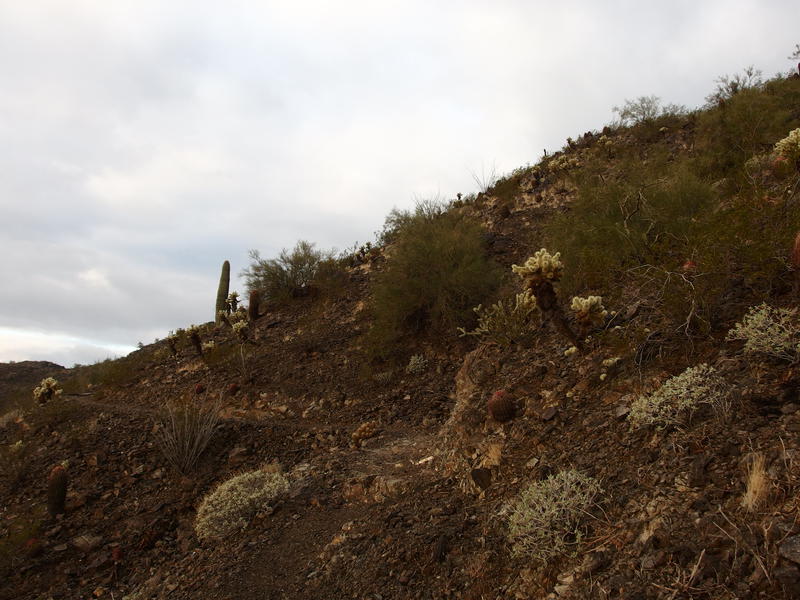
(194, 337)
(240, 329)
(505, 322)
(416, 364)
(789, 147)
(680, 395)
(209, 345)
(589, 311)
(172, 343)
(563, 163)
(768, 330)
(541, 266)
(46, 391)
(233, 301)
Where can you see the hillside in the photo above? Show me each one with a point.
(400, 482)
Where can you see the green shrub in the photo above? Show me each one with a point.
(233, 504)
(680, 396)
(291, 275)
(437, 270)
(546, 518)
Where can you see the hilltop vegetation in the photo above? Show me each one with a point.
(616, 416)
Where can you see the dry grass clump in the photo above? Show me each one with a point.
(185, 429)
(680, 396)
(233, 504)
(768, 330)
(758, 482)
(546, 518)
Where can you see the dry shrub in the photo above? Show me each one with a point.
(185, 429)
(758, 482)
(546, 519)
(233, 504)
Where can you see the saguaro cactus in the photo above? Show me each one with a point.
(222, 290)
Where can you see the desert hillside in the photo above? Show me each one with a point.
(619, 418)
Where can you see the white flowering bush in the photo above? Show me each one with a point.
(680, 396)
(47, 390)
(506, 322)
(546, 518)
(769, 330)
(542, 265)
(789, 147)
(589, 311)
(234, 503)
(416, 365)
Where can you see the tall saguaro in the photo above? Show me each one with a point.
(222, 290)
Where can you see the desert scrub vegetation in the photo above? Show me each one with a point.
(293, 274)
(185, 428)
(234, 503)
(769, 331)
(684, 232)
(47, 390)
(546, 519)
(680, 396)
(509, 321)
(436, 271)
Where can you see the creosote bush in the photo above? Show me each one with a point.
(546, 518)
(290, 275)
(437, 270)
(234, 503)
(680, 396)
(771, 331)
(507, 321)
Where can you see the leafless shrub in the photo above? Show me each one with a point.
(185, 427)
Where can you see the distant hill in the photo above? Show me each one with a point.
(19, 378)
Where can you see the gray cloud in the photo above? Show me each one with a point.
(146, 142)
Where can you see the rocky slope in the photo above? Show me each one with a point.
(416, 504)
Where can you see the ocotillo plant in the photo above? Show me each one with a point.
(222, 290)
(56, 490)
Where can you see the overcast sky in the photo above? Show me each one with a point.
(143, 143)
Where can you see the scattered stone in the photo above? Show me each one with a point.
(622, 412)
(790, 549)
(86, 543)
(549, 413)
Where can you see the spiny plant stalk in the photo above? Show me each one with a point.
(252, 308)
(222, 290)
(57, 490)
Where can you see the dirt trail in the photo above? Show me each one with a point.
(280, 565)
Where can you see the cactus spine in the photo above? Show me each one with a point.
(222, 291)
(56, 490)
